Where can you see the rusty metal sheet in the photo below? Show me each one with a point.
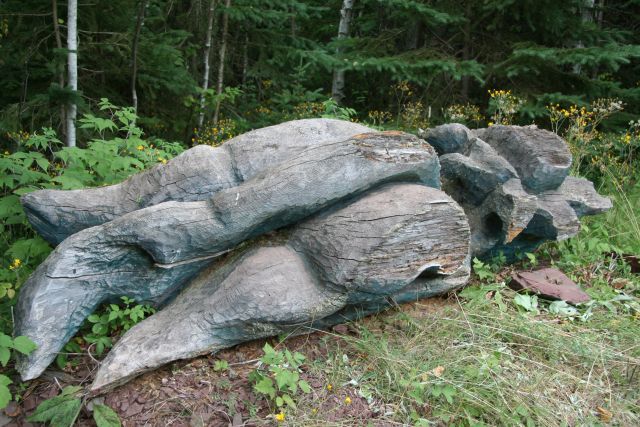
(549, 283)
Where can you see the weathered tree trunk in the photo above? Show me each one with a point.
(354, 258)
(223, 52)
(134, 53)
(337, 86)
(56, 31)
(195, 175)
(207, 68)
(72, 59)
(151, 252)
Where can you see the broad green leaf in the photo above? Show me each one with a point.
(5, 340)
(304, 386)
(5, 396)
(59, 411)
(562, 308)
(528, 302)
(24, 345)
(5, 355)
(104, 416)
(265, 386)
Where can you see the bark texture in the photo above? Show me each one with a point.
(195, 175)
(345, 259)
(512, 183)
(304, 224)
(157, 249)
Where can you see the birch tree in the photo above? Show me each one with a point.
(337, 86)
(72, 64)
(223, 52)
(207, 52)
(56, 32)
(134, 53)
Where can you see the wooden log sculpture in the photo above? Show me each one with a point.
(303, 224)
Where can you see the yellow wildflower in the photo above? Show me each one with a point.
(347, 400)
(329, 387)
(280, 417)
(16, 264)
(140, 147)
(490, 124)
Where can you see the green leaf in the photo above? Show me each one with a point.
(528, 302)
(279, 401)
(5, 395)
(265, 386)
(304, 386)
(5, 380)
(5, 355)
(5, 340)
(449, 392)
(24, 345)
(289, 401)
(561, 308)
(104, 416)
(59, 411)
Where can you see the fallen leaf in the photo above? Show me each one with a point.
(438, 371)
(604, 414)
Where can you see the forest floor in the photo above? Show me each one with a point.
(476, 357)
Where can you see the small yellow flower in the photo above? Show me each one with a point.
(280, 417)
(329, 387)
(6, 153)
(16, 264)
(140, 147)
(347, 400)
(490, 123)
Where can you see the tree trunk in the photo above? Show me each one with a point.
(134, 53)
(337, 86)
(223, 52)
(207, 51)
(72, 60)
(245, 58)
(466, 51)
(56, 31)
(586, 11)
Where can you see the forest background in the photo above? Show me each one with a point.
(155, 77)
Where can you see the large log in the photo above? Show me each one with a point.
(152, 252)
(195, 175)
(391, 242)
(347, 235)
(512, 183)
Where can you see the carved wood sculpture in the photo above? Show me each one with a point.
(307, 223)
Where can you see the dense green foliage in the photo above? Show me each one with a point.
(281, 54)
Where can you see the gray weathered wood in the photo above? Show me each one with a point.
(392, 241)
(155, 250)
(195, 175)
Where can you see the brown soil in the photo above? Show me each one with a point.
(192, 394)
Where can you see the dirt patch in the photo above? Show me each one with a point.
(192, 393)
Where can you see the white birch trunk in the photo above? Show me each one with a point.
(223, 52)
(58, 36)
(337, 86)
(134, 53)
(586, 12)
(72, 63)
(207, 52)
